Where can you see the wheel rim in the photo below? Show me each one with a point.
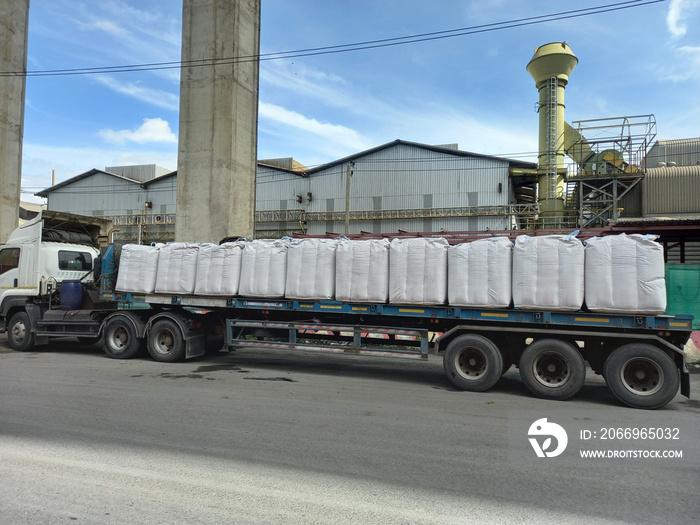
(164, 341)
(119, 338)
(551, 370)
(19, 332)
(471, 363)
(642, 376)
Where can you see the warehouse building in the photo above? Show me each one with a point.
(400, 185)
(396, 186)
(140, 200)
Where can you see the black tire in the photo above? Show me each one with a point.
(473, 363)
(552, 369)
(642, 376)
(19, 332)
(119, 339)
(165, 341)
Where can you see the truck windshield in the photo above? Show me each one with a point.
(81, 261)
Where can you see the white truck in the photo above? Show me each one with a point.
(58, 274)
(40, 256)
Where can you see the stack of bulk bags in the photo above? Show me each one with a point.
(219, 268)
(138, 268)
(362, 271)
(625, 273)
(418, 271)
(264, 268)
(177, 268)
(311, 269)
(480, 273)
(548, 272)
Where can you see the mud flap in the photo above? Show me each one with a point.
(195, 345)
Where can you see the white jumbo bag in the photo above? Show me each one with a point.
(311, 269)
(548, 272)
(418, 271)
(626, 274)
(362, 270)
(219, 268)
(138, 268)
(480, 273)
(177, 268)
(264, 268)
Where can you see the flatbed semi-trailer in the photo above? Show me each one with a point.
(640, 356)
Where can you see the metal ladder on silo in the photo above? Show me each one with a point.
(551, 140)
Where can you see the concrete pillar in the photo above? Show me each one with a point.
(218, 120)
(14, 16)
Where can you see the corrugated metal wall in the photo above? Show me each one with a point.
(669, 191)
(98, 194)
(102, 194)
(162, 194)
(278, 189)
(684, 152)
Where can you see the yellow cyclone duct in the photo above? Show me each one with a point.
(550, 67)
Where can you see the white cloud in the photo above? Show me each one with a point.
(332, 132)
(678, 11)
(691, 59)
(298, 80)
(156, 97)
(152, 130)
(108, 26)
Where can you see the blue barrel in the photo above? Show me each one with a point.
(71, 294)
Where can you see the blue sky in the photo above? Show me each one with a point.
(472, 90)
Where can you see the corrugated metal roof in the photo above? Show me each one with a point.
(674, 171)
(45, 192)
(441, 149)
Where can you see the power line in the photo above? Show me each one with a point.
(342, 48)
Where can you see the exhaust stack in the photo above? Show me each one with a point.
(550, 67)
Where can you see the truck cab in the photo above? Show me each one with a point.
(39, 257)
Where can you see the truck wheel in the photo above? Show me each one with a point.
(642, 376)
(473, 363)
(119, 340)
(552, 369)
(19, 332)
(165, 342)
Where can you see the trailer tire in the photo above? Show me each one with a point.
(642, 376)
(165, 341)
(19, 332)
(473, 363)
(552, 369)
(119, 339)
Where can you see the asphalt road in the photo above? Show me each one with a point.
(254, 437)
